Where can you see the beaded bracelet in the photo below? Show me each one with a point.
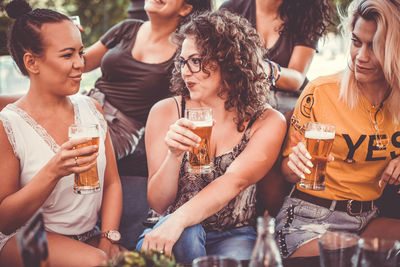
(275, 73)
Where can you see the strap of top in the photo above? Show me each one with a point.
(183, 107)
(251, 123)
(177, 105)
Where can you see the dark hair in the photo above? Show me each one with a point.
(198, 7)
(24, 34)
(231, 42)
(308, 19)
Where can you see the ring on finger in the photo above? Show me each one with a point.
(161, 251)
(76, 162)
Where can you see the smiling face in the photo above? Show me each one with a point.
(201, 85)
(61, 65)
(367, 69)
(167, 8)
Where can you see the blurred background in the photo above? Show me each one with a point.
(97, 16)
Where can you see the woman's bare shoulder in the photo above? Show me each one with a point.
(167, 107)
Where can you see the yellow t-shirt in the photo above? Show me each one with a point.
(358, 164)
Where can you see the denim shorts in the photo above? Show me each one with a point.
(85, 237)
(297, 219)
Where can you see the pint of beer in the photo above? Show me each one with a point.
(86, 182)
(319, 141)
(200, 158)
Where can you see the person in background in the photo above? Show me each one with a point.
(38, 162)
(136, 59)
(362, 103)
(290, 30)
(219, 65)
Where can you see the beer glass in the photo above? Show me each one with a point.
(319, 141)
(338, 249)
(86, 182)
(200, 158)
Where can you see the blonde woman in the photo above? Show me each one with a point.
(362, 103)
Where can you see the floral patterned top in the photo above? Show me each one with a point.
(239, 212)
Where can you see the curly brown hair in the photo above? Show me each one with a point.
(232, 42)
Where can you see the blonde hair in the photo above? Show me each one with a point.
(386, 15)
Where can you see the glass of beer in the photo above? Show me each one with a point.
(200, 158)
(86, 182)
(319, 141)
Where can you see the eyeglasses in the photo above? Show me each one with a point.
(193, 64)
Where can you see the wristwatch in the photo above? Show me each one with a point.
(113, 235)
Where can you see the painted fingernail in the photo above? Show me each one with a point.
(308, 155)
(307, 171)
(302, 176)
(309, 164)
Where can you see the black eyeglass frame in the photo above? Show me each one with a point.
(180, 63)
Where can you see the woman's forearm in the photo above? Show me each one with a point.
(163, 185)
(28, 199)
(111, 209)
(290, 80)
(210, 200)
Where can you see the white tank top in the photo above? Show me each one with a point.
(64, 212)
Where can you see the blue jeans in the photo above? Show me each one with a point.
(195, 242)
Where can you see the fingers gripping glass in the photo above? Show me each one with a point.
(193, 63)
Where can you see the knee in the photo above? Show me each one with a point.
(98, 258)
(190, 245)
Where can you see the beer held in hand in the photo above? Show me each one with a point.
(86, 182)
(199, 157)
(319, 141)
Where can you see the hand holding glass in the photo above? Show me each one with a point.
(319, 142)
(86, 182)
(200, 157)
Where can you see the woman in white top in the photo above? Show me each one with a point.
(37, 162)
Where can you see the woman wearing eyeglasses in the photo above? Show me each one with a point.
(219, 65)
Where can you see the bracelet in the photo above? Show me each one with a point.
(275, 73)
(278, 74)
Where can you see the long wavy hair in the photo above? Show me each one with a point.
(385, 45)
(232, 42)
(308, 19)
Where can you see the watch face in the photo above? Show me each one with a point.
(114, 235)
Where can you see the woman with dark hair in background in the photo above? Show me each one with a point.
(291, 30)
(136, 59)
(38, 161)
(220, 66)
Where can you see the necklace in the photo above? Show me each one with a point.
(381, 140)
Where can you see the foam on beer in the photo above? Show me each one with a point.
(83, 135)
(203, 123)
(313, 134)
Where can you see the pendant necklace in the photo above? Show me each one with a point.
(381, 140)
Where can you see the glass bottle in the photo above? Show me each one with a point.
(265, 252)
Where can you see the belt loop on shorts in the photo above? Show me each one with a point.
(333, 205)
(292, 190)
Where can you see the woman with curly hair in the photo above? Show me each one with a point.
(290, 29)
(219, 65)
